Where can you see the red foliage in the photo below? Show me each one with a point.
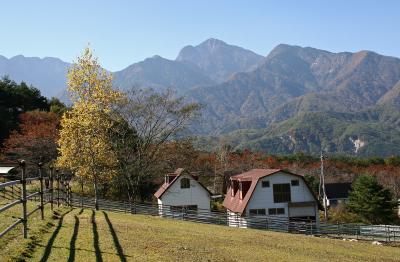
(36, 137)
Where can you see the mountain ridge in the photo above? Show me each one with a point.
(302, 94)
(218, 59)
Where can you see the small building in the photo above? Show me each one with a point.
(337, 193)
(7, 172)
(4, 170)
(259, 194)
(182, 190)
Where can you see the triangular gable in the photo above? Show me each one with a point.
(165, 186)
(237, 205)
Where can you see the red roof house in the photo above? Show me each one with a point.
(270, 192)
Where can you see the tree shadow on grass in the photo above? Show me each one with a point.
(71, 257)
(96, 245)
(115, 239)
(50, 243)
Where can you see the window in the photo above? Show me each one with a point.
(257, 212)
(244, 188)
(185, 183)
(183, 208)
(276, 211)
(235, 187)
(175, 208)
(265, 184)
(192, 207)
(295, 182)
(282, 193)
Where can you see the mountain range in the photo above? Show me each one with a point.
(294, 99)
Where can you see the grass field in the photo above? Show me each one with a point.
(86, 235)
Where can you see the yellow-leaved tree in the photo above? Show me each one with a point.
(84, 143)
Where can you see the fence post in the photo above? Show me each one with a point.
(58, 187)
(24, 210)
(40, 164)
(358, 229)
(65, 185)
(70, 193)
(338, 229)
(66, 195)
(67, 192)
(62, 188)
(3, 189)
(51, 188)
(387, 233)
(82, 194)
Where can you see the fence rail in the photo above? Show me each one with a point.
(19, 195)
(384, 233)
(61, 194)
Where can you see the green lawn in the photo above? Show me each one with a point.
(85, 235)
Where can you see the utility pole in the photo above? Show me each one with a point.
(321, 189)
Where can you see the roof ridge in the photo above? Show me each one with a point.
(179, 171)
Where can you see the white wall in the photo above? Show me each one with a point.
(177, 196)
(302, 211)
(263, 196)
(236, 220)
(398, 206)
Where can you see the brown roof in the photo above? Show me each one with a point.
(237, 205)
(164, 187)
(254, 174)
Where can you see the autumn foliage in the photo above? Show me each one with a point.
(35, 137)
(84, 144)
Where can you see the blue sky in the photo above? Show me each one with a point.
(124, 32)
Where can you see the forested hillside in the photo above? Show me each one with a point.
(294, 99)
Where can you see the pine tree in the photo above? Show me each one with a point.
(371, 200)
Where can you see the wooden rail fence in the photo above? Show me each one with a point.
(384, 233)
(58, 191)
(19, 195)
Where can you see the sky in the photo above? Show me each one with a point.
(124, 32)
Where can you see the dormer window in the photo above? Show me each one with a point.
(185, 182)
(235, 187)
(244, 188)
(265, 184)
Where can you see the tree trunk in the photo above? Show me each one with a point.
(132, 197)
(96, 201)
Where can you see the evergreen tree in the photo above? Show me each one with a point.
(14, 100)
(371, 201)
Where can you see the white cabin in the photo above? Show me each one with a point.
(260, 194)
(181, 190)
